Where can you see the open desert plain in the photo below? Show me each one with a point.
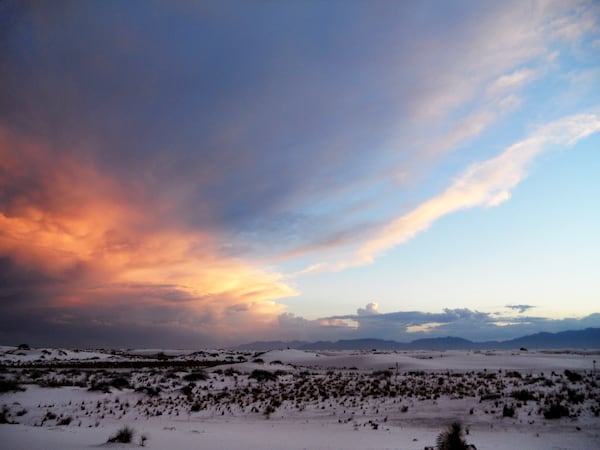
(293, 399)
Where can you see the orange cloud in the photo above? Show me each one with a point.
(72, 223)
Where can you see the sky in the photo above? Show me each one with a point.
(208, 173)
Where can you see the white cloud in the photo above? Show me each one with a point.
(486, 184)
(510, 82)
(369, 310)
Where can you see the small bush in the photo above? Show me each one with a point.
(65, 421)
(575, 397)
(196, 376)
(508, 411)
(523, 395)
(382, 373)
(120, 383)
(573, 376)
(10, 386)
(123, 436)
(452, 438)
(189, 389)
(4, 415)
(148, 390)
(556, 411)
(100, 386)
(196, 407)
(263, 375)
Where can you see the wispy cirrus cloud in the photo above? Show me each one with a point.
(485, 184)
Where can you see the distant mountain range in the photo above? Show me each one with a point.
(588, 338)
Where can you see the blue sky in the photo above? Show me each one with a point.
(210, 173)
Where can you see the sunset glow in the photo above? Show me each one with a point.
(198, 174)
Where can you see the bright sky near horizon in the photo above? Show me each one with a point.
(210, 173)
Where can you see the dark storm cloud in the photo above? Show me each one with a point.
(459, 322)
(229, 112)
(146, 146)
(417, 317)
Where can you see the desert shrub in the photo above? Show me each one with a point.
(263, 375)
(490, 397)
(148, 390)
(573, 376)
(276, 363)
(523, 395)
(64, 421)
(196, 376)
(230, 371)
(189, 389)
(120, 383)
(513, 374)
(270, 409)
(382, 373)
(4, 415)
(556, 411)
(10, 386)
(575, 396)
(143, 439)
(196, 407)
(258, 361)
(123, 436)
(24, 347)
(508, 411)
(35, 374)
(100, 386)
(452, 438)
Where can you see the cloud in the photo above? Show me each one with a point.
(405, 326)
(484, 184)
(370, 309)
(510, 82)
(154, 160)
(520, 308)
(71, 244)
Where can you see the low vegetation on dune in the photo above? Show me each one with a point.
(242, 387)
(122, 436)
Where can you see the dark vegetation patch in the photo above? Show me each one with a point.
(263, 375)
(10, 386)
(555, 411)
(198, 375)
(123, 436)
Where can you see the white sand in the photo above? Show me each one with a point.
(346, 422)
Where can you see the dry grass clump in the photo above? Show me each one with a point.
(123, 436)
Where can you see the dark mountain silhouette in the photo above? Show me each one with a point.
(588, 338)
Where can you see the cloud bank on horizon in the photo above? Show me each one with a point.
(210, 173)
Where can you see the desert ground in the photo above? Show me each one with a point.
(290, 399)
